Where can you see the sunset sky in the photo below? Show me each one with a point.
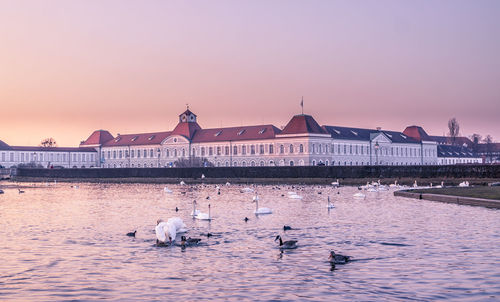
(68, 68)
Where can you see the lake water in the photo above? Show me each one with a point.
(61, 243)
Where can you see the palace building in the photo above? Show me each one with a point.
(302, 142)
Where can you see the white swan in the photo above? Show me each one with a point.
(182, 183)
(166, 231)
(394, 185)
(336, 183)
(195, 212)
(202, 176)
(329, 205)
(246, 190)
(258, 210)
(359, 195)
(167, 190)
(204, 216)
(372, 189)
(295, 196)
(228, 184)
(415, 184)
(440, 186)
(463, 184)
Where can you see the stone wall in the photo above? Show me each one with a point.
(333, 172)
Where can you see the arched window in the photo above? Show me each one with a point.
(271, 149)
(151, 153)
(291, 148)
(291, 163)
(252, 163)
(167, 153)
(175, 152)
(301, 148)
(183, 152)
(262, 163)
(261, 149)
(313, 162)
(235, 164)
(244, 164)
(235, 150)
(327, 163)
(252, 149)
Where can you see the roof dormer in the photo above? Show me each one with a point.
(187, 117)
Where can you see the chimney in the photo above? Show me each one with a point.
(379, 128)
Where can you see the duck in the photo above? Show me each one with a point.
(289, 244)
(195, 212)
(330, 205)
(287, 228)
(338, 259)
(132, 234)
(20, 191)
(189, 241)
(1, 191)
(246, 219)
(258, 210)
(204, 216)
(176, 209)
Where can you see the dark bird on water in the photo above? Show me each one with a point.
(176, 209)
(20, 191)
(189, 241)
(289, 244)
(246, 219)
(338, 259)
(287, 228)
(132, 234)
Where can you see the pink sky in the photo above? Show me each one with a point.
(68, 68)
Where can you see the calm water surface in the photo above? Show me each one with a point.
(60, 243)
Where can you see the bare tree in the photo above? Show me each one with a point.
(48, 143)
(488, 140)
(476, 139)
(454, 127)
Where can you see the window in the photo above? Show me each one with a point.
(243, 150)
(202, 151)
(175, 152)
(252, 149)
(291, 151)
(345, 149)
(210, 151)
(282, 149)
(109, 155)
(235, 150)
(218, 150)
(350, 149)
(183, 152)
(227, 153)
(271, 149)
(145, 153)
(151, 153)
(114, 154)
(252, 163)
(291, 163)
(261, 149)
(138, 153)
(338, 148)
(121, 154)
(301, 148)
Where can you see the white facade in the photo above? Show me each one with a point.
(51, 157)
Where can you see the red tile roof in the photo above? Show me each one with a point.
(417, 133)
(138, 139)
(98, 137)
(256, 132)
(303, 124)
(186, 129)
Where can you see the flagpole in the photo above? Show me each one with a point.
(302, 105)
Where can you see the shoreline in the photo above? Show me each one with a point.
(460, 200)
(272, 181)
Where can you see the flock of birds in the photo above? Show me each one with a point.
(167, 231)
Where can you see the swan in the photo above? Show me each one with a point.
(394, 185)
(195, 212)
(336, 183)
(132, 234)
(228, 184)
(246, 190)
(415, 184)
(338, 259)
(260, 210)
(202, 176)
(168, 230)
(287, 228)
(440, 186)
(359, 195)
(330, 204)
(182, 183)
(295, 196)
(204, 216)
(289, 244)
(463, 184)
(372, 190)
(167, 190)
